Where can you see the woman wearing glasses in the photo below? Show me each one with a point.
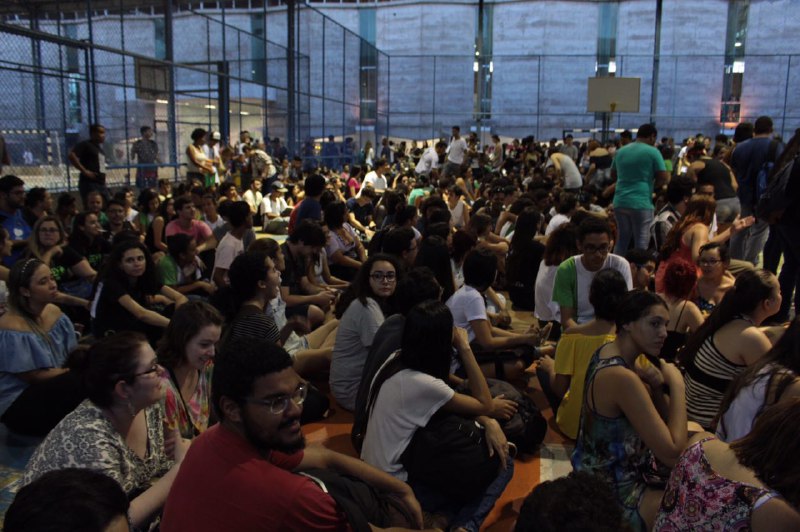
(691, 233)
(716, 280)
(373, 286)
(119, 429)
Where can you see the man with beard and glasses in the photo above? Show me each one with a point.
(251, 470)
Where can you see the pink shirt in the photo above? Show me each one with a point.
(198, 230)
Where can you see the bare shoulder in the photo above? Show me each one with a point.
(775, 515)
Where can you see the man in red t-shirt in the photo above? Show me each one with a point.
(187, 224)
(241, 474)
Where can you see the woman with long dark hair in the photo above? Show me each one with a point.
(728, 342)
(128, 291)
(524, 259)
(410, 390)
(373, 287)
(344, 249)
(434, 254)
(626, 411)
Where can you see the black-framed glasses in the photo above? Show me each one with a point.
(602, 248)
(154, 369)
(278, 405)
(380, 277)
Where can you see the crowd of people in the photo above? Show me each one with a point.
(168, 342)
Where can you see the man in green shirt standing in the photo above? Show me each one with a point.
(637, 169)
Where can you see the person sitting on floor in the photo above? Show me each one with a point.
(469, 312)
(69, 500)
(119, 429)
(36, 391)
(574, 276)
(373, 286)
(187, 352)
(750, 484)
(254, 458)
(405, 397)
(562, 379)
(128, 291)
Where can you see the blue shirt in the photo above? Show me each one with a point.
(18, 229)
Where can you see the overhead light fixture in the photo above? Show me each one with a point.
(737, 44)
(162, 101)
(210, 106)
(244, 113)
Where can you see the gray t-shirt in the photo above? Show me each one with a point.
(354, 337)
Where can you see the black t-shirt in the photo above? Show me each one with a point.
(89, 154)
(295, 270)
(61, 265)
(361, 212)
(110, 315)
(95, 252)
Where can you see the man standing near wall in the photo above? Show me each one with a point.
(747, 159)
(637, 169)
(456, 153)
(89, 159)
(569, 148)
(145, 151)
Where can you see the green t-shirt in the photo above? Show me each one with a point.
(168, 270)
(636, 165)
(414, 194)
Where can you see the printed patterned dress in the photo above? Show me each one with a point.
(699, 499)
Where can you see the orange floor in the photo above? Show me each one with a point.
(334, 433)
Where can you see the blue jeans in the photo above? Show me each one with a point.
(632, 224)
(471, 515)
(748, 243)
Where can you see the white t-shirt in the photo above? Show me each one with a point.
(253, 199)
(405, 403)
(457, 150)
(354, 337)
(228, 249)
(585, 311)
(467, 304)
(555, 222)
(372, 178)
(428, 161)
(572, 176)
(545, 308)
(273, 206)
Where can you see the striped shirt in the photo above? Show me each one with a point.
(708, 376)
(254, 325)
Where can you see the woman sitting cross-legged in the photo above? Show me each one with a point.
(119, 430)
(409, 394)
(469, 312)
(187, 352)
(750, 484)
(626, 411)
(36, 392)
(129, 290)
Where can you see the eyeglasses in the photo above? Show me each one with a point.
(602, 248)
(380, 277)
(709, 262)
(154, 369)
(279, 405)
